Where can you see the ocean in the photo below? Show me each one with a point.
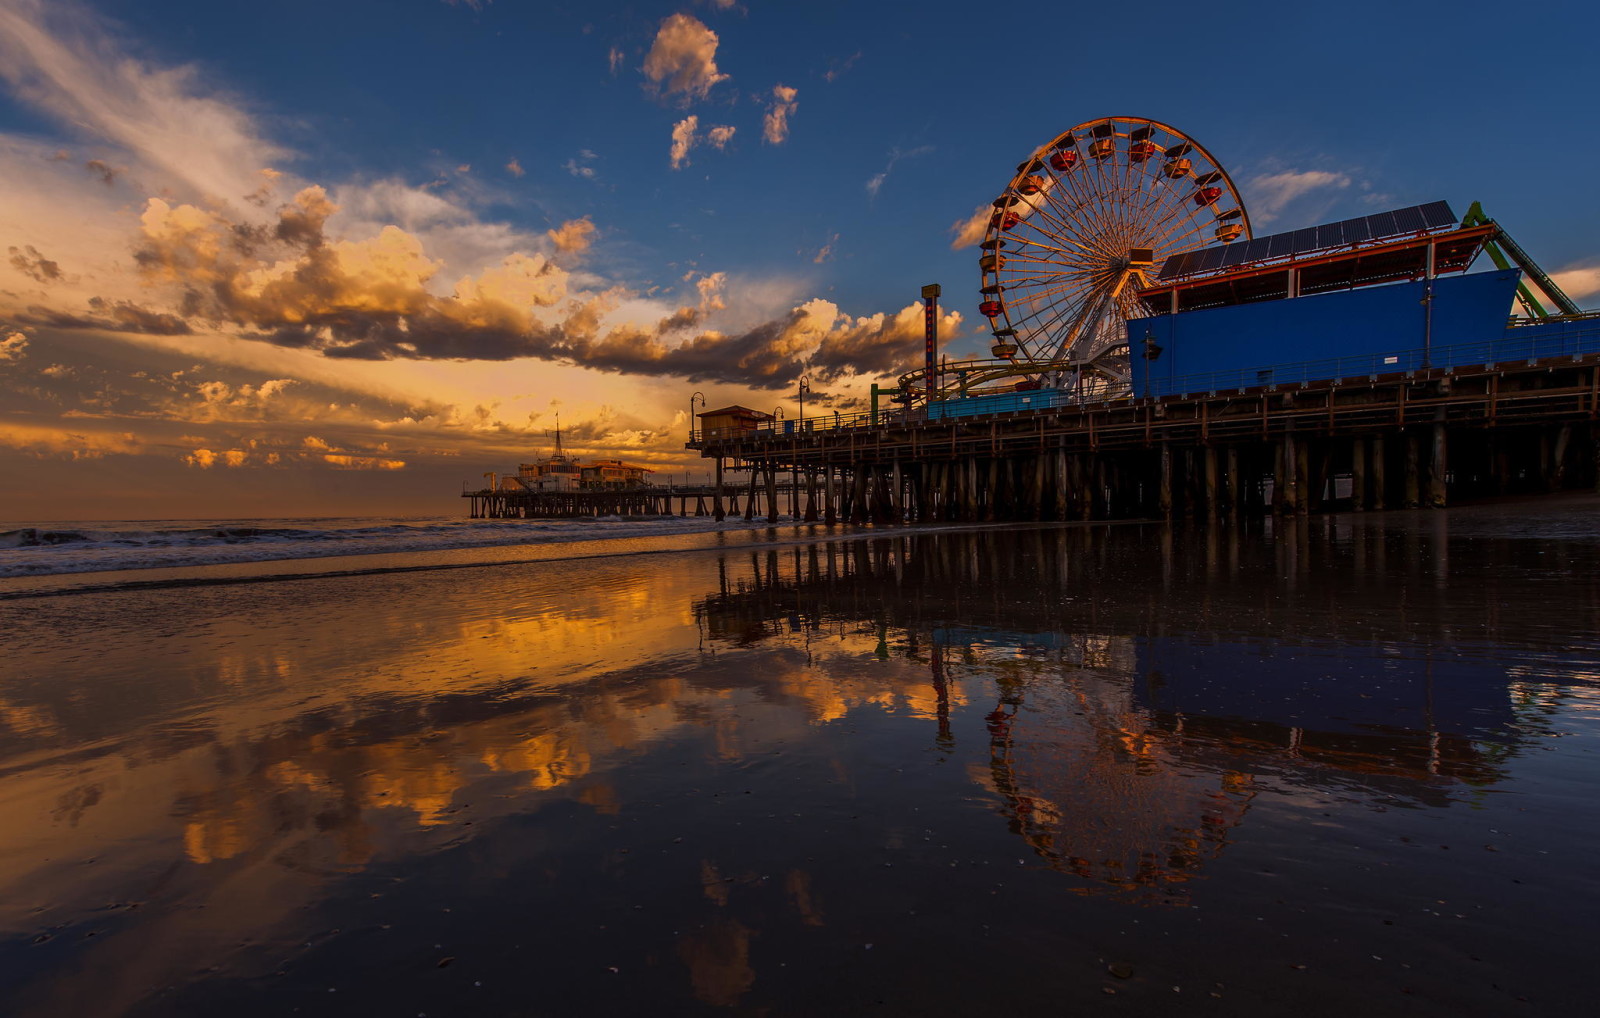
(1317, 766)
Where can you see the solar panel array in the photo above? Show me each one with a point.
(1360, 230)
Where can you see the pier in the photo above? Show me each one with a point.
(1360, 438)
(644, 500)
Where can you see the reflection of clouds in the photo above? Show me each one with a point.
(718, 956)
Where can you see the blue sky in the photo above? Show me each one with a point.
(478, 132)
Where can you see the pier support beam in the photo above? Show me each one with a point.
(1413, 483)
(716, 498)
(1438, 468)
(1358, 475)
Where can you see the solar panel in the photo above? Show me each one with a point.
(1378, 226)
(1382, 225)
(1409, 220)
(1437, 214)
(1280, 245)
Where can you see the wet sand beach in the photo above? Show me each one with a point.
(1344, 764)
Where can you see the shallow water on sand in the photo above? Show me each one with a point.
(1345, 764)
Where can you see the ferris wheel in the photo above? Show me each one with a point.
(1075, 234)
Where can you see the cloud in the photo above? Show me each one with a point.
(205, 459)
(775, 126)
(59, 60)
(28, 261)
(573, 236)
(345, 462)
(102, 169)
(683, 140)
(377, 270)
(969, 232)
(826, 253)
(615, 57)
(12, 347)
(515, 168)
(877, 344)
(579, 166)
(838, 67)
(476, 5)
(682, 60)
(66, 443)
(1270, 193)
(1579, 281)
(107, 316)
(685, 136)
(895, 155)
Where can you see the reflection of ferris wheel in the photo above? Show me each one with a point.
(1071, 240)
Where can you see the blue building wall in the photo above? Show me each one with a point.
(1374, 329)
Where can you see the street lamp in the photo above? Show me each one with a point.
(702, 398)
(805, 387)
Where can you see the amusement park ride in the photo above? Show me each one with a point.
(1123, 218)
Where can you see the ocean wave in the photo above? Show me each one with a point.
(79, 548)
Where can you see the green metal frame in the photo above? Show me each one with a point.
(1499, 246)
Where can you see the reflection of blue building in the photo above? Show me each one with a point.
(1357, 690)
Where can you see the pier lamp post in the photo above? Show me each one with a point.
(702, 398)
(805, 387)
(794, 468)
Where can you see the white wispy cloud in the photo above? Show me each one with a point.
(1269, 194)
(875, 183)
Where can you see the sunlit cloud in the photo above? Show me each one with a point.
(64, 443)
(682, 60)
(573, 236)
(362, 462)
(969, 232)
(683, 140)
(1579, 281)
(57, 58)
(685, 136)
(170, 227)
(775, 125)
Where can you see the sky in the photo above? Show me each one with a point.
(339, 259)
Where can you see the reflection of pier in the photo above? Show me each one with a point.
(1125, 743)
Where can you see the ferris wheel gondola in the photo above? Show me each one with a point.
(1083, 223)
